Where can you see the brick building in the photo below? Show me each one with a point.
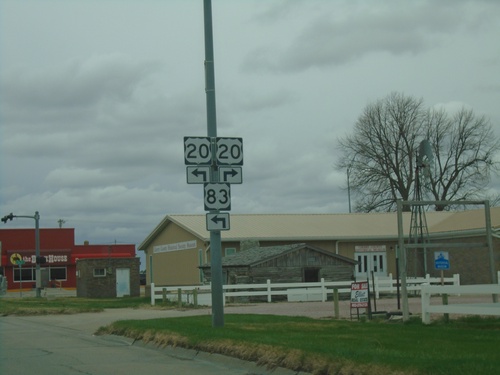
(107, 278)
(57, 245)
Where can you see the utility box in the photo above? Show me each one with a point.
(44, 274)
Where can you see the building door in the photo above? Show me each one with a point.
(371, 261)
(122, 282)
(311, 275)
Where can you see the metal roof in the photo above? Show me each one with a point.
(256, 255)
(339, 227)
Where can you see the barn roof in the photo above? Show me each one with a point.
(256, 255)
(335, 227)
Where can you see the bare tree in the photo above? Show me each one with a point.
(464, 146)
(380, 154)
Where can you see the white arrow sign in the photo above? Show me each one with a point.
(199, 174)
(218, 221)
(231, 175)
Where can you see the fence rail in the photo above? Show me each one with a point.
(413, 284)
(319, 291)
(466, 309)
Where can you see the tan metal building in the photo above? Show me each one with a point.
(180, 244)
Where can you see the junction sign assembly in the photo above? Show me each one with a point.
(216, 163)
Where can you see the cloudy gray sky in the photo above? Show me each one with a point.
(97, 95)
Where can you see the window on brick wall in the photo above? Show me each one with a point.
(99, 272)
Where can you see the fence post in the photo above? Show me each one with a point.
(336, 303)
(179, 297)
(269, 290)
(426, 300)
(456, 279)
(376, 286)
(195, 297)
(445, 302)
(164, 295)
(152, 294)
(323, 290)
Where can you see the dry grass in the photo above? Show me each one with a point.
(332, 347)
(264, 355)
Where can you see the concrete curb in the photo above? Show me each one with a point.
(229, 362)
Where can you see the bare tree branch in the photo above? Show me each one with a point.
(381, 153)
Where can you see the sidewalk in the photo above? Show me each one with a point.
(45, 293)
(317, 310)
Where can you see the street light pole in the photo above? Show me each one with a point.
(38, 275)
(349, 187)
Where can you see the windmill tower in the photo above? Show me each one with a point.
(419, 232)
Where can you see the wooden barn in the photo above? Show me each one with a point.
(284, 264)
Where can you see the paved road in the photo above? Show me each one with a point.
(65, 345)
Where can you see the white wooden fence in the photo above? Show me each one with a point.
(471, 308)
(292, 291)
(413, 284)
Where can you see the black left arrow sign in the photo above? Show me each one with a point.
(217, 220)
(199, 173)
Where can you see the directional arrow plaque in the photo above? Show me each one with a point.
(198, 174)
(231, 175)
(219, 221)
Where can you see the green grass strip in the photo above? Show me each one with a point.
(468, 346)
(67, 305)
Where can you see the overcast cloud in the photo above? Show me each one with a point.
(97, 95)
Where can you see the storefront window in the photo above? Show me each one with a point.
(24, 274)
(58, 273)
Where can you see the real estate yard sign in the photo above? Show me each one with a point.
(359, 295)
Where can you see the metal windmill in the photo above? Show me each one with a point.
(419, 232)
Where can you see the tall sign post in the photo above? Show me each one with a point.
(215, 236)
(216, 163)
(441, 262)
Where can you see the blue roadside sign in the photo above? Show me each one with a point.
(441, 260)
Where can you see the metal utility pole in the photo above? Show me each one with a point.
(402, 262)
(38, 275)
(215, 236)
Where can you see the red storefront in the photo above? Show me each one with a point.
(57, 245)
